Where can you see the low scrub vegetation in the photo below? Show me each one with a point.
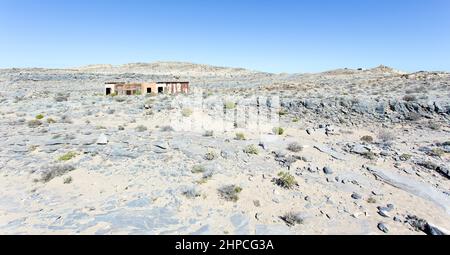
(68, 156)
(240, 136)
(141, 128)
(230, 192)
(367, 139)
(198, 169)
(56, 171)
(278, 130)
(292, 219)
(285, 180)
(186, 112)
(251, 149)
(230, 105)
(210, 155)
(34, 123)
(295, 147)
(208, 133)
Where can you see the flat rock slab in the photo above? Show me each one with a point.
(412, 186)
(334, 154)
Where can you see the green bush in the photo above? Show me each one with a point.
(67, 180)
(405, 157)
(198, 169)
(68, 156)
(230, 105)
(39, 117)
(251, 149)
(240, 136)
(34, 123)
(230, 192)
(278, 130)
(285, 180)
(186, 112)
(141, 128)
(50, 121)
(367, 139)
(282, 112)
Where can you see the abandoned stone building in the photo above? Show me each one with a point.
(161, 87)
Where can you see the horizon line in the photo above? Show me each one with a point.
(213, 65)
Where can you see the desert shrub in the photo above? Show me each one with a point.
(34, 123)
(386, 136)
(369, 155)
(292, 219)
(436, 152)
(208, 133)
(410, 98)
(39, 117)
(120, 99)
(33, 147)
(186, 112)
(56, 171)
(295, 120)
(113, 94)
(60, 97)
(191, 193)
(138, 93)
(68, 156)
(405, 157)
(278, 130)
(240, 136)
(198, 169)
(210, 155)
(66, 119)
(371, 200)
(285, 180)
(251, 149)
(50, 121)
(141, 128)
(295, 147)
(434, 126)
(282, 112)
(167, 129)
(230, 192)
(367, 139)
(68, 180)
(230, 105)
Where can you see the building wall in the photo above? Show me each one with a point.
(133, 88)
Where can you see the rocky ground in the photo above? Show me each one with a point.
(340, 152)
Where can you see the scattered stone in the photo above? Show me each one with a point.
(382, 227)
(102, 140)
(422, 225)
(356, 196)
(383, 212)
(327, 170)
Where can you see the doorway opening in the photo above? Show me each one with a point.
(108, 91)
(149, 90)
(160, 90)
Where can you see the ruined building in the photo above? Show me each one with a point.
(162, 87)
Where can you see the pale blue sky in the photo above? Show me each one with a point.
(273, 36)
